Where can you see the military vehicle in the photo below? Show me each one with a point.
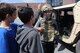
(67, 22)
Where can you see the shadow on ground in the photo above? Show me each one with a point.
(64, 45)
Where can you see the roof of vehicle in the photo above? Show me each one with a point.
(64, 6)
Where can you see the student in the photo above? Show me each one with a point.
(8, 43)
(27, 37)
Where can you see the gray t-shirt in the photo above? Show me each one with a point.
(29, 40)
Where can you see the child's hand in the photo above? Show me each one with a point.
(41, 29)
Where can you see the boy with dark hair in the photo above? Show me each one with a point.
(8, 43)
(27, 37)
(25, 12)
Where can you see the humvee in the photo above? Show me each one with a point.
(67, 19)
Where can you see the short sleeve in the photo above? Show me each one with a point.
(4, 48)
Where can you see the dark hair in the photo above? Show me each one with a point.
(25, 14)
(6, 9)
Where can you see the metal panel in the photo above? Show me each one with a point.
(76, 12)
(64, 6)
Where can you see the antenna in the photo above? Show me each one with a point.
(27, 5)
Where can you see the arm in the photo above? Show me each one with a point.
(36, 15)
(37, 24)
(38, 12)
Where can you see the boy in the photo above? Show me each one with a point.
(27, 37)
(8, 43)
